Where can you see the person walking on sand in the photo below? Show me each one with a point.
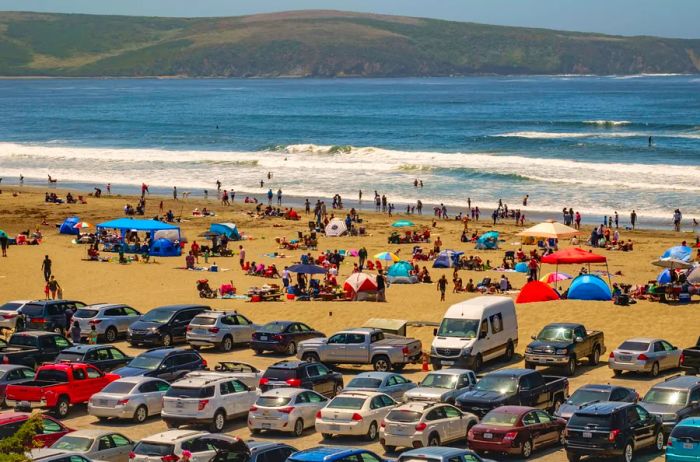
(46, 267)
(3, 243)
(54, 287)
(241, 257)
(533, 267)
(442, 287)
(381, 287)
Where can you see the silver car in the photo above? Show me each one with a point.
(104, 445)
(390, 383)
(641, 354)
(220, 330)
(110, 320)
(9, 314)
(442, 386)
(129, 398)
(285, 409)
(54, 455)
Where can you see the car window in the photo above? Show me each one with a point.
(17, 374)
(114, 312)
(391, 381)
(496, 323)
(618, 394)
(120, 440)
(93, 373)
(337, 338)
(242, 320)
(368, 457)
(530, 419)
(171, 361)
(399, 379)
(226, 388)
(312, 371)
(355, 339)
(185, 359)
(436, 414)
(667, 346)
(105, 443)
(55, 309)
(148, 387)
(116, 354)
(10, 429)
(531, 381)
(484, 330)
(387, 400)
(451, 412)
(632, 415)
(49, 427)
(61, 342)
(454, 459)
(284, 453)
(543, 417)
(323, 370)
(580, 332)
(78, 374)
(103, 354)
(76, 459)
(376, 403)
(642, 413)
(162, 386)
(184, 317)
(658, 347)
(314, 397)
(128, 311)
(227, 320)
(304, 328)
(239, 386)
(470, 458)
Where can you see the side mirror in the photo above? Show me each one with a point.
(435, 331)
(578, 339)
(674, 348)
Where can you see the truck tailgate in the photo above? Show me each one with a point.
(414, 346)
(25, 392)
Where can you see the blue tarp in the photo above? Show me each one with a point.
(67, 227)
(487, 241)
(447, 259)
(589, 287)
(679, 252)
(228, 229)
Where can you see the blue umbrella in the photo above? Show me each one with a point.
(307, 269)
(679, 252)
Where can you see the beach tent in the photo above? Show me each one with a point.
(158, 231)
(589, 287)
(336, 227)
(664, 277)
(400, 273)
(536, 291)
(521, 267)
(679, 252)
(447, 259)
(227, 229)
(487, 241)
(68, 226)
(694, 275)
(165, 248)
(550, 229)
(359, 285)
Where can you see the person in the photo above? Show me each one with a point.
(3, 243)
(527, 196)
(633, 219)
(285, 277)
(92, 336)
(279, 196)
(381, 287)
(533, 267)
(175, 192)
(362, 255)
(186, 456)
(241, 257)
(651, 141)
(442, 287)
(46, 267)
(269, 196)
(75, 333)
(54, 286)
(503, 284)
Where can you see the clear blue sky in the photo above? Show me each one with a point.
(670, 18)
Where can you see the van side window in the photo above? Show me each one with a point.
(484, 330)
(496, 323)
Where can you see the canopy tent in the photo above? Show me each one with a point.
(694, 275)
(550, 229)
(536, 291)
(447, 259)
(164, 237)
(679, 252)
(336, 227)
(575, 256)
(68, 226)
(226, 229)
(589, 287)
(360, 283)
(487, 241)
(400, 273)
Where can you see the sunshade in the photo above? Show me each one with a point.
(3, 233)
(307, 269)
(360, 282)
(573, 255)
(555, 277)
(387, 256)
(82, 225)
(672, 263)
(550, 229)
(402, 224)
(679, 252)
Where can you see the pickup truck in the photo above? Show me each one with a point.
(564, 345)
(690, 359)
(59, 386)
(514, 387)
(362, 346)
(32, 348)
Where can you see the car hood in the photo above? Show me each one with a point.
(452, 342)
(567, 410)
(429, 393)
(144, 324)
(540, 344)
(482, 397)
(661, 409)
(129, 371)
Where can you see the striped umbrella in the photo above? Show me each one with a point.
(387, 256)
(82, 225)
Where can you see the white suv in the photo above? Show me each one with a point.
(168, 446)
(356, 413)
(206, 400)
(220, 330)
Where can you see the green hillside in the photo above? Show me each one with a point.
(320, 44)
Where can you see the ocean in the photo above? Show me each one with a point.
(566, 141)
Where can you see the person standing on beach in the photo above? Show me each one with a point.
(241, 255)
(109, 188)
(469, 203)
(21, 179)
(651, 141)
(54, 287)
(381, 287)
(533, 267)
(279, 196)
(218, 186)
(362, 255)
(617, 220)
(527, 196)
(175, 192)
(442, 287)
(359, 195)
(144, 189)
(262, 183)
(307, 206)
(633, 219)
(419, 207)
(3, 243)
(46, 267)
(269, 196)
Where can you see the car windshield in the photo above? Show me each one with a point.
(119, 388)
(440, 381)
(203, 321)
(399, 415)
(69, 356)
(500, 419)
(274, 327)
(33, 310)
(500, 384)
(582, 396)
(145, 362)
(634, 346)
(273, 401)
(274, 373)
(364, 382)
(10, 306)
(422, 459)
(556, 334)
(160, 316)
(72, 443)
(85, 313)
(51, 375)
(686, 432)
(462, 328)
(669, 397)
(147, 448)
(346, 402)
(188, 392)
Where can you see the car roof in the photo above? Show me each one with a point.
(256, 446)
(281, 322)
(689, 422)
(642, 339)
(512, 372)
(451, 371)
(100, 306)
(173, 435)
(289, 364)
(12, 367)
(597, 386)
(360, 394)
(603, 408)
(376, 375)
(52, 302)
(164, 351)
(515, 410)
(440, 451)
(198, 381)
(50, 454)
(84, 348)
(137, 379)
(35, 333)
(92, 433)
(679, 382)
(18, 301)
(321, 453)
(179, 307)
(570, 325)
(417, 406)
(285, 392)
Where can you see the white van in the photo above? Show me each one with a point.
(475, 331)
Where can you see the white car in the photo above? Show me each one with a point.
(420, 424)
(220, 330)
(206, 400)
(356, 413)
(168, 446)
(9, 314)
(246, 373)
(285, 409)
(94, 444)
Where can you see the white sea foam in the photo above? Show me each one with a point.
(609, 123)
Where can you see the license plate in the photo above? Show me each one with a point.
(266, 425)
(263, 338)
(448, 363)
(625, 358)
(688, 446)
(334, 427)
(103, 402)
(488, 436)
(587, 435)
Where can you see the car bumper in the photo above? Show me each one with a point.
(268, 346)
(198, 340)
(185, 419)
(8, 323)
(263, 423)
(119, 412)
(547, 360)
(493, 446)
(630, 367)
(598, 451)
(146, 339)
(466, 362)
(341, 428)
(404, 441)
(11, 403)
(671, 457)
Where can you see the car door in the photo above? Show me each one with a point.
(643, 425)
(243, 330)
(334, 350)
(357, 348)
(318, 382)
(673, 355)
(201, 448)
(456, 422)
(314, 403)
(104, 360)
(95, 381)
(531, 425)
(122, 447)
(436, 420)
(118, 357)
(130, 316)
(245, 396)
(168, 370)
(693, 408)
(305, 332)
(179, 323)
(403, 385)
(550, 432)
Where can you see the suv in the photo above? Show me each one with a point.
(110, 320)
(168, 364)
(220, 330)
(168, 446)
(612, 429)
(302, 374)
(263, 451)
(206, 400)
(674, 399)
(163, 326)
(9, 315)
(104, 357)
(48, 315)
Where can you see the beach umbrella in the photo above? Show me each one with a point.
(672, 263)
(550, 229)
(694, 275)
(679, 252)
(387, 256)
(360, 282)
(3, 233)
(82, 225)
(307, 269)
(402, 224)
(555, 277)
(353, 252)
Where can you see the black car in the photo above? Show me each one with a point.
(32, 348)
(165, 363)
(302, 374)
(612, 429)
(49, 315)
(282, 337)
(104, 357)
(164, 326)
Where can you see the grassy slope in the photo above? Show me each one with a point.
(318, 43)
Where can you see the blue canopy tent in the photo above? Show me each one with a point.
(447, 259)
(487, 241)
(400, 273)
(589, 287)
(68, 226)
(227, 229)
(164, 237)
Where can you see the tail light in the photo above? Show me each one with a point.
(253, 408)
(170, 458)
(205, 364)
(613, 435)
(286, 410)
(383, 424)
(94, 322)
(318, 415)
(5, 360)
(214, 330)
(263, 381)
(356, 417)
(669, 443)
(277, 338)
(294, 382)
(132, 455)
(189, 329)
(612, 355)
(37, 320)
(510, 436)
(421, 426)
(405, 351)
(470, 434)
(682, 361)
(643, 357)
(9, 316)
(202, 404)
(122, 402)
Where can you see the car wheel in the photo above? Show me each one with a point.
(298, 427)
(292, 349)
(111, 335)
(338, 389)
(311, 358)
(257, 352)
(659, 442)
(562, 438)
(529, 365)
(141, 414)
(372, 433)
(226, 344)
(167, 340)
(62, 407)
(434, 440)
(170, 425)
(381, 363)
(628, 453)
(326, 436)
(571, 367)
(398, 367)
(571, 457)
(57, 330)
(526, 449)
(617, 372)
(594, 359)
(388, 448)
(510, 352)
(254, 431)
(478, 362)
(196, 347)
(655, 370)
(217, 425)
(436, 365)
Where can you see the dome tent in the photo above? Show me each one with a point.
(400, 273)
(664, 277)
(68, 226)
(487, 241)
(447, 259)
(536, 291)
(589, 287)
(165, 248)
(359, 285)
(521, 267)
(228, 229)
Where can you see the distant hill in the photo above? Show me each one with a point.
(318, 44)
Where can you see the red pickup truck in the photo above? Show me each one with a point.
(59, 386)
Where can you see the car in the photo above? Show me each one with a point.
(169, 445)
(111, 320)
(261, 451)
(168, 364)
(642, 354)
(683, 444)
(421, 424)
(163, 326)
(133, 398)
(219, 329)
(594, 393)
(10, 315)
(612, 429)
(32, 348)
(390, 383)
(444, 386)
(58, 456)
(441, 454)
(11, 373)
(286, 410)
(282, 337)
(48, 315)
(516, 430)
(206, 401)
(354, 413)
(246, 373)
(51, 428)
(104, 357)
(564, 345)
(674, 399)
(103, 445)
(334, 454)
(690, 358)
(302, 374)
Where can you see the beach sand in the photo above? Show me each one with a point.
(145, 286)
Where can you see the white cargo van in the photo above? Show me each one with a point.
(475, 331)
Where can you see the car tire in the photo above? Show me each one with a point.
(510, 352)
(434, 439)
(627, 452)
(571, 457)
(436, 365)
(257, 352)
(140, 414)
(170, 425)
(226, 344)
(311, 358)
(326, 436)
(398, 367)
(529, 365)
(292, 349)
(218, 422)
(526, 449)
(338, 389)
(659, 441)
(381, 363)
(388, 448)
(372, 432)
(62, 407)
(167, 340)
(478, 363)
(594, 358)
(298, 428)
(255, 431)
(617, 372)
(571, 367)
(655, 369)
(111, 335)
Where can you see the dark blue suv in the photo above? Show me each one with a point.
(164, 363)
(164, 326)
(334, 454)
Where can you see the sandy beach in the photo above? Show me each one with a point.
(145, 286)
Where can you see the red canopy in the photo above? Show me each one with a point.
(573, 255)
(536, 291)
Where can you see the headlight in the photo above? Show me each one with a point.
(562, 352)
(152, 329)
(467, 351)
(669, 417)
(432, 350)
(528, 350)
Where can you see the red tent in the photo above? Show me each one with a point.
(536, 291)
(573, 255)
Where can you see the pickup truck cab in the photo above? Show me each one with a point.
(514, 387)
(31, 348)
(690, 359)
(362, 346)
(59, 386)
(564, 345)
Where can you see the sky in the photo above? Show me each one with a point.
(668, 18)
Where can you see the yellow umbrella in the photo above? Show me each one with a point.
(550, 229)
(387, 256)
